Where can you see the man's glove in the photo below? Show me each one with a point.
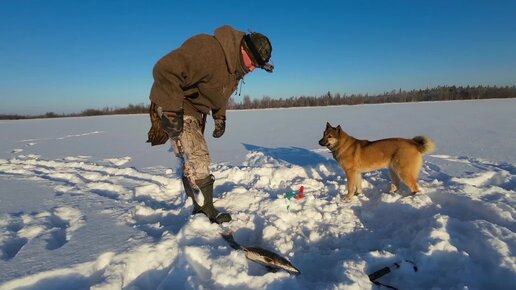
(220, 127)
(172, 123)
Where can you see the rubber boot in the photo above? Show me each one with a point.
(206, 187)
(190, 193)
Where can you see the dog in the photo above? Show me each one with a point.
(403, 157)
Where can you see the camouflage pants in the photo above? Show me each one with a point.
(192, 138)
(195, 147)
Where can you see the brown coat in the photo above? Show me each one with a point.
(200, 75)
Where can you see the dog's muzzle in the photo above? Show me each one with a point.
(323, 142)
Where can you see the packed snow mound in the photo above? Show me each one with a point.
(460, 228)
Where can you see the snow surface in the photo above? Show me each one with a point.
(85, 203)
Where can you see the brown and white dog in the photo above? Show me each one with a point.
(403, 157)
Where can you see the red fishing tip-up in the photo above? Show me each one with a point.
(301, 192)
(298, 196)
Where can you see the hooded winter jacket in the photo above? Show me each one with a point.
(200, 75)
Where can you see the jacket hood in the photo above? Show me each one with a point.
(230, 40)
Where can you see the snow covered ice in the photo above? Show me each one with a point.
(85, 203)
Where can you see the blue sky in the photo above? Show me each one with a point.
(67, 56)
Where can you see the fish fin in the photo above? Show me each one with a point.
(272, 269)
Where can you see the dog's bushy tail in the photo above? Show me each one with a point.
(425, 145)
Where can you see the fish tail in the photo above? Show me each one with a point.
(229, 238)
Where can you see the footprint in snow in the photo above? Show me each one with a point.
(11, 248)
(56, 227)
(10, 243)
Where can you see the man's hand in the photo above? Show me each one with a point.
(172, 123)
(220, 127)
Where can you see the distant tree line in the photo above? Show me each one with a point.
(441, 93)
(130, 109)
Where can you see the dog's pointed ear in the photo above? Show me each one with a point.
(339, 128)
(328, 126)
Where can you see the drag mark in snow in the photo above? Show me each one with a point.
(79, 135)
(31, 141)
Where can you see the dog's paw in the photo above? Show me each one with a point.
(347, 197)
